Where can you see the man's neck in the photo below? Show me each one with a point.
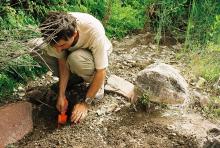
(75, 39)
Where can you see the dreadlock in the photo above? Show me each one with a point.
(57, 26)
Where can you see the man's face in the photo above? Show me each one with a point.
(62, 44)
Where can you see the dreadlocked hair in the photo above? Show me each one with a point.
(57, 26)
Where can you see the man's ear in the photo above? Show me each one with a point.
(75, 34)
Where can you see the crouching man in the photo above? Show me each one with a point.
(77, 45)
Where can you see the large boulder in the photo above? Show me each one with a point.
(163, 84)
(16, 122)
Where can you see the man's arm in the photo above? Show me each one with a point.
(97, 82)
(80, 110)
(63, 80)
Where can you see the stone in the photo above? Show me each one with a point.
(21, 88)
(21, 94)
(154, 47)
(203, 100)
(212, 142)
(200, 82)
(49, 73)
(56, 79)
(163, 84)
(121, 86)
(16, 122)
(101, 111)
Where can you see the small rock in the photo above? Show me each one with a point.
(101, 111)
(202, 99)
(127, 37)
(200, 82)
(117, 109)
(105, 129)
(122, 145)
(21, 94)
(111, 108)
(20, 88)
(100, 121)
(49, 73)
(127, 104)
(64, 141)
(55, 78)
(174, 134)
(43, 77)
(153, 46)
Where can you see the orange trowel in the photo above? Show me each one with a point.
(62, 117)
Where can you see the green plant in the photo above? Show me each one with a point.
(205, 64)
(123, 20)
(145, 99)
(213, 110)
(6, 85)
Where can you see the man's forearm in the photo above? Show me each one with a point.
(63, 76)
(97, 82)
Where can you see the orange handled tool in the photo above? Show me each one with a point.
(62, 117)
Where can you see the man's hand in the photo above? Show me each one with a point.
(79, 112)
(62, 104)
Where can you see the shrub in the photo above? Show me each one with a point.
(6, 86)
(123, 20)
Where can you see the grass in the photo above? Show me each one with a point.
(213, 108)
(205, 64)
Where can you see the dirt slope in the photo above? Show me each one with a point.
(113, 122)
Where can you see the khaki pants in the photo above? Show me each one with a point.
(80, 63)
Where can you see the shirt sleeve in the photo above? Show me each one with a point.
(100, 48)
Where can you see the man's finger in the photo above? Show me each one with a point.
(78, 117)
(58, 107)
(74, 115)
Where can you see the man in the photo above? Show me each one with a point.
(79, 46)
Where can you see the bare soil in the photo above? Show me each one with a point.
(113, 121)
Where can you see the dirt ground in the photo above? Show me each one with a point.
(113, 121)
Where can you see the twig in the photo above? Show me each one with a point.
(45, 104)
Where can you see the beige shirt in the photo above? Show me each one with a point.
(92, 37)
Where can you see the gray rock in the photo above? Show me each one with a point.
(49, 73)
(200, 82)
(213, 139)
(101, 111)
(163, 84)
(203, 100)
(21, 89)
